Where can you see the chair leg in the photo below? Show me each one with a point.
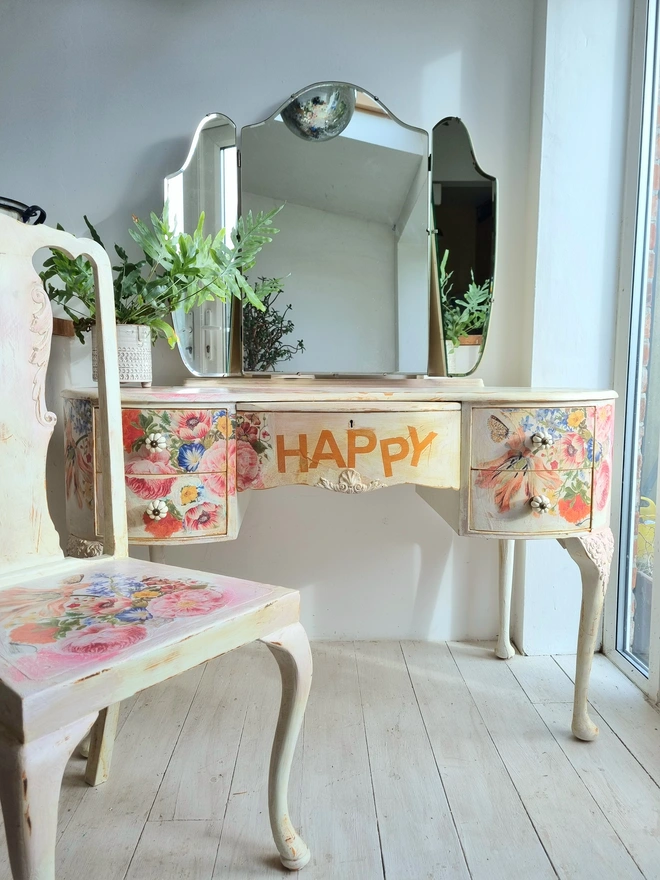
(290, 648)
(593, 555)
(30, 781)
(101, 744)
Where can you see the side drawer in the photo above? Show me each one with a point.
(186, 438)
(349, 452)
(564, 437)
(500, 501)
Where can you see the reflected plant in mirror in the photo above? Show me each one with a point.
(264, 331)
(463, 207)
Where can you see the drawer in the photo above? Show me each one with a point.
(170, 507)
(191, 441)
(564, 437)
(499, 500)
(348, 452)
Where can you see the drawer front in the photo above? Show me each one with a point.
(170, 508)
(500, 501)
(564, 437)
(190, 441)
(349, 452)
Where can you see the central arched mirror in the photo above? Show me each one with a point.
(353, 248)
(385, 250)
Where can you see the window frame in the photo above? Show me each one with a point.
(642, 116)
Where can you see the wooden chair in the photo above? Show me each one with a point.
(78, 636)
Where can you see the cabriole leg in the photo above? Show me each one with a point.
(101, 745)
(290, 648)
(30, 780)
(593, 555)
(504, 649)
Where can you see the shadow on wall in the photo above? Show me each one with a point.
(381, 565)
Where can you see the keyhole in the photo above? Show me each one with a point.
(351, 423)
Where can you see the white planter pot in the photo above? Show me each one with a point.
(134, 349)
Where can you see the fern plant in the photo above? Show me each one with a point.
(178, 270)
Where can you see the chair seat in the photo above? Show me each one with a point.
(118, 626)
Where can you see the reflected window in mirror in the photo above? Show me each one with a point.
(353, 248)
(207, 182)
(463, 206)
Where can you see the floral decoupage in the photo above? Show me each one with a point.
(89, 619)
(561, 468)
(180, 471)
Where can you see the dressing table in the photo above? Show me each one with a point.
(504, 463)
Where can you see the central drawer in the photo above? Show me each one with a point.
(348, 451)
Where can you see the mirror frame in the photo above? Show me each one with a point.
(437, 342)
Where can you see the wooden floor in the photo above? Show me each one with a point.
(418, 761)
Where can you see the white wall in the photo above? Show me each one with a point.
(106, 108)
(578, 143)
(339, 277)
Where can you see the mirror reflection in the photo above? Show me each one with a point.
(352, 254)
(463, 205)
(207, 182)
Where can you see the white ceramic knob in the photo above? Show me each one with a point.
(541, 439)
(156, 510)
(540, 503)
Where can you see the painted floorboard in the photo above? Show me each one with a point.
(246, 845)
(577, 837)
(624, 708)
(496, 743)
(499, 839)
(102, 835)
(417, 832)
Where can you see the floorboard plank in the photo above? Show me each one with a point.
(196, 784)
(625, 709)
(542, 679)
(618, 783)
(576, 835)
(181, 850)
(417, 832)
(247, 850)
(498, 837)
(338, 814)
(102, 835)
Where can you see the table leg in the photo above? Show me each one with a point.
(504, 649)
(593, 555)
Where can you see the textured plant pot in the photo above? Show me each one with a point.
(462, 359)
(134, 349)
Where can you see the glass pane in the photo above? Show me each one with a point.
(642, 441)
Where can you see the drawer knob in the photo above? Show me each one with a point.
(156, 442)
(541, 439)
(156, 510)
(540, 503)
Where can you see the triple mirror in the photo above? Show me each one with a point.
(381, 229)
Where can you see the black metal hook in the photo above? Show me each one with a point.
(31, 214)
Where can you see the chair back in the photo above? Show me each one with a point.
(28, 538)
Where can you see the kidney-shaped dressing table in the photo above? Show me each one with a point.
(499, 463)
(384, 268)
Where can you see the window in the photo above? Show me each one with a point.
(638, 629)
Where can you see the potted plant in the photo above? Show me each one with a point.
(177, 270)
(464, 319)
(264, 330)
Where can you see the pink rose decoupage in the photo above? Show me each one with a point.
(90, 619)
